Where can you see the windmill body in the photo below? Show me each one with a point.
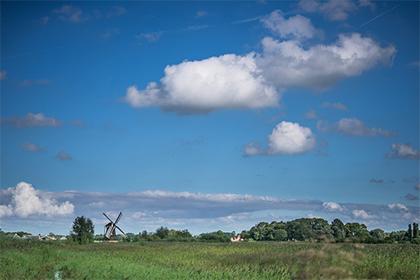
(111, 227)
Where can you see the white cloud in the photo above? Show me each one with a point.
(296, 27)
(40, 82)
(227, 81)
(288, 64)
(31, 147)
(287, 138)
(63, 156)
(3, 75)
(335, 105)
(335, 10)
(353, 127)
(253, 149)
(6, 210)
(332, 206)
(32, 120)
(27, 201)
(403, 151)
(290, 138)
(359, 213)
(311, 115)
(397, 206)
(70, 13)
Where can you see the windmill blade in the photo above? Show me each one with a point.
(108, 218)
(120, 230)
(118, 218)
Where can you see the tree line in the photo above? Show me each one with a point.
(304, 229)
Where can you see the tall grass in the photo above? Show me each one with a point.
(271, 260)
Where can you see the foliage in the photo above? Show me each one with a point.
(82, 230)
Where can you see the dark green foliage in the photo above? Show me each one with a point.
(356, 232)
(82, 230)
(377, 236)
(217, 236)
(339, 230)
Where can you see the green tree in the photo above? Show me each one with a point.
(377, 236)
(339, 230)
(162, 232)
(82, 230)
(357, 232)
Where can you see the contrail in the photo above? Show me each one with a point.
(378, 16)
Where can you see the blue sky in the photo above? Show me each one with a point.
(305, 101)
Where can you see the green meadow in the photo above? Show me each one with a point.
(20, 259)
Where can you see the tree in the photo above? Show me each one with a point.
(339, 230)
(83, 230)
(162, 232)
(377, 236)
(357, 232)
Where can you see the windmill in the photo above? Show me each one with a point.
(111, 226)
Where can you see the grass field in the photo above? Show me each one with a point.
(161, 260)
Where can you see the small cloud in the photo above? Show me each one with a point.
(150, 37)
(360, 213)
(332, 206)
(44, 20)
(195, 27)
(115, 11)
(415, 64)
(376, 181)
(31, 120)
(287, 138)
(77, 123)
(112, 32)
(411, 197)
(417, 187)
(253, 149)
(33, 148)
(3, 75)
(353, 127)
(29, 83)
(138, 215)
(63, 156)
(295, 27)
(403, 151)
(311, 115)
(335, 10)
(397, 206)
(367, 3)
(334, 105)
(70, 13)
(200, 14)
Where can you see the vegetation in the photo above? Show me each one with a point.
(82, 230)
(24, 259)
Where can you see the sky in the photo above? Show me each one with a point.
(208, 115)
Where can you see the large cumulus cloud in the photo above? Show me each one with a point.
(256, 80)
(24, 200)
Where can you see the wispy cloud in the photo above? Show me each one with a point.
(70, 13)
(334, 105)
(195, 211)
(33, 148)
(3, 75)
(39, 82)
(403, 151)
(353, 127)
(63, 156)
(376, 181)
(31, 120)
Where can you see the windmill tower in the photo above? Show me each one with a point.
(110, 227)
